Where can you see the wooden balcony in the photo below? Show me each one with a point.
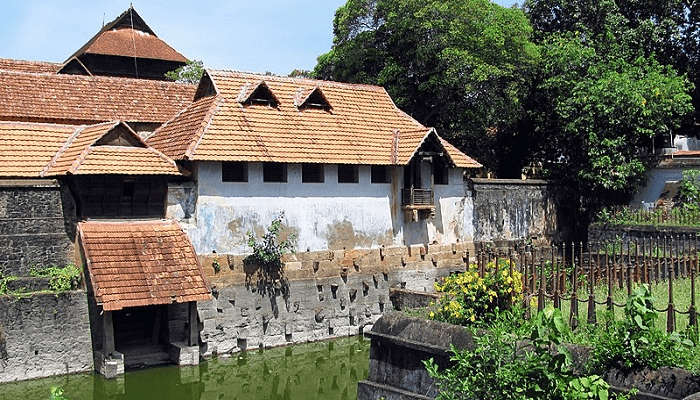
(417, 198)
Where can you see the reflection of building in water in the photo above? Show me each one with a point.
(322, 370)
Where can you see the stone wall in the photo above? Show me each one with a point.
(331, 294)
(43, 335)
(33, 230)
(512, 210)
(623, 233)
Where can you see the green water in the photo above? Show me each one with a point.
(323, 370)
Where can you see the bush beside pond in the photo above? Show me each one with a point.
(519, 358)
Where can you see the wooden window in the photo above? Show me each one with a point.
(312, 173)
(348, 173)
(234, 171)
(380, 174)
(274, 172)
(441, 174)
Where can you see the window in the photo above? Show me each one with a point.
(348, 173)
(312, 173)
(380, 174)
(440, 174)
(234, 171)
(274, 172)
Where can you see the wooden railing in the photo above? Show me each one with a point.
(417, 197)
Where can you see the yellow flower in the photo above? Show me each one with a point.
(432, 315)
(472, 318)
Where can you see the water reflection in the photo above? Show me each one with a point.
(325, 370)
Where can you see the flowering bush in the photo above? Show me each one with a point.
(468, 297)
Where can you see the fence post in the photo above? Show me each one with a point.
(540, 294)
(555, 277)
(573, 321)
(671, 314)
(591, 283)
(692, 315)
(609, 300)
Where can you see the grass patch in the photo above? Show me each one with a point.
(61, 279)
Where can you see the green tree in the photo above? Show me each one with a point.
(189, 73)
(460, 66)
(597, 116)
(602, 95)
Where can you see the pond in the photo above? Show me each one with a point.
(322, 370)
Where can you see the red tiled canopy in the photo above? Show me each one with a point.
(141, 263)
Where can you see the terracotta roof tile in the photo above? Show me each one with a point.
(30, 149)
(357, 129)
(155, 264)
(28, 66)
(41, 97)
(27, 148)
(125, 160)
(683, 153)
(129, 42)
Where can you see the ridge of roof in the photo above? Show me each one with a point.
(216, 104)
(29, 66)
(306, 81)
(101, 77)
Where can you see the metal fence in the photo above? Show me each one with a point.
(625, 215)
(586, 276)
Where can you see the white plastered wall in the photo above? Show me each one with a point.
(328, 215)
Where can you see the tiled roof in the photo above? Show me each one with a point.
(30, 149)
(28, 66)
(88, 99)
(408, 143)
(686, 153)
(141, 263)
(458, 158)
(129, 42)
(124, 160)
(27, 148)
(357, 129)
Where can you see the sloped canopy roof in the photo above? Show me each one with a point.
(89, 99)
(141, 263)
(359, 129)
(41, 150)
(128, 35)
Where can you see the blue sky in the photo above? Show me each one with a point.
(258, 36)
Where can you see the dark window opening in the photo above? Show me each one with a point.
(128, 189)
(348, 173)
(440, 174)
(316, 99)
(274, 172)
(312, 173)
(120, 197)
(262, 95)
(234, 171)
(380, 174)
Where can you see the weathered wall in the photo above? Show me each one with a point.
(506, 209)
(327, 215)
(656, 179)
(331, 294)
(598, 233)
(33, 230)
(44, 335)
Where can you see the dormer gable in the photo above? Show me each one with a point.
(259, 93)
(312, 98)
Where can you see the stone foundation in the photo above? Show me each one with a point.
(331, 294)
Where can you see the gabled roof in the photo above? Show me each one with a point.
(89, 99)
(41, 150)
(407, 144)
(252, 92)
(141, 263)
(129, 36)
(28, 66)
(313, 97)
(357, 130)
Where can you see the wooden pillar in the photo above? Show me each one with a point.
(107, 334)
(193, 325)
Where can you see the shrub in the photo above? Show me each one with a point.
(469, 297)
(56, 393)
(635, 342)
(267, 259)
(61, 279)
(501, 366)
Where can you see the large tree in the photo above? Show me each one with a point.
(462, 66)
